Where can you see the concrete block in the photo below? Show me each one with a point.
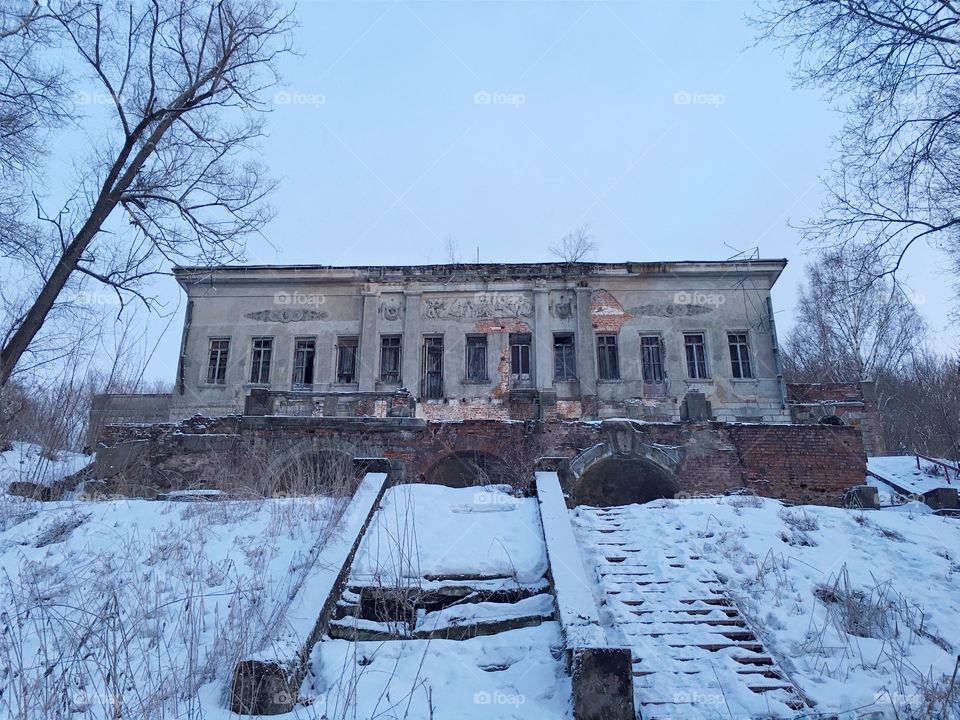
(602, 684)
(112, 461)
(862, 496)
(263, 688)
(942, 498)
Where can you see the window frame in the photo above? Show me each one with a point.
(303, 385)
(384, 347)
(343, 342)
(435, 340)
(660, 365)
(570, 374)
(745, 346)
(259, 367)
(697, 376)
(523, 356)
(615, 346)
(225, 356)
(474, 340)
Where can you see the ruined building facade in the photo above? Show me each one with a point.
(653, 341)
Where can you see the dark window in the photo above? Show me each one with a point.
(520, 356)
(696, 353)
(260, 365)
(432, 375)
(346, 360)
(217, 364)
(651, 358)
(608, 359)
(390, 359)
(739, 355)
(564, 357)
(477, 358)
(304, 354)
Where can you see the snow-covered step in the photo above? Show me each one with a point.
(694, 655)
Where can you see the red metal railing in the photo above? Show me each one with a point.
(946, 467)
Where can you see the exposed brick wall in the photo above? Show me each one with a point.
(800, 463)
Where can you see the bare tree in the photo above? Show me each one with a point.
(170, 181)
(846, 332)
(895, 66)
(923, 414)
(575, 246)
(451, 250)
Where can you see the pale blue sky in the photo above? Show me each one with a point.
(384, 147)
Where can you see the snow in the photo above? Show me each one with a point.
(902, 471)
(575, 604)
(150, 602)
(325, 564)
(775, 560)
(431, 531)
(516, 674)
(25, 462)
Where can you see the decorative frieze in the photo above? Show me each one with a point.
(670, 310)
(478, 307)
(286, 316)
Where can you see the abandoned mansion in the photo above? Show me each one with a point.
(656, 341)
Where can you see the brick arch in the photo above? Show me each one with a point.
(466, 467)
(310, 463)
(623, 470)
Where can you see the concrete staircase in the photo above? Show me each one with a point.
(694, 655)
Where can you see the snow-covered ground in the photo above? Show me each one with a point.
(902, 470)
(152, 602)
(145, 603)
(860, 608)
(24, 462)
(425, 536)
(428, 531)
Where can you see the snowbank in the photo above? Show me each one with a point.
(25, 463)
(426, 531)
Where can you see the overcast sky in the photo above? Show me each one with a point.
(504, 125)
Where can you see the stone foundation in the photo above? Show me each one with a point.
(797, 463)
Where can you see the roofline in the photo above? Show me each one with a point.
(186, 275)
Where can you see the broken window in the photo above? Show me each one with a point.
(346, 360)
(260, 364)
(608, 358)
(564, 357)
(739, 355)
(390, 359)
(477, 358)
(651, 358)
(520, 357)
(304, 354)
(696, 353)
(432, 375)
(217, 362)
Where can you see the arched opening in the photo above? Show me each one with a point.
(623, 481)
(324, 472)
(469, 469)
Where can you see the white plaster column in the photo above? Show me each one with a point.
(369, 322)
(410, 350)
(542, 337)
(586, 344)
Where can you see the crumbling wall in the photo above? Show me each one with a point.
(798, 463)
